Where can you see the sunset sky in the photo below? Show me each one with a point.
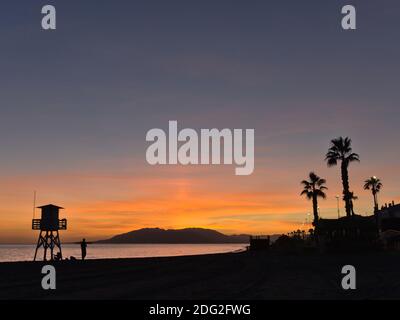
(76, 104)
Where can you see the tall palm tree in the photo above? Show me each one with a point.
(374, 184)
(340, 150)
(314, 189)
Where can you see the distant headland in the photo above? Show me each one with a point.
(188, 235)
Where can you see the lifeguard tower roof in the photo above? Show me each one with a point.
(50, 206)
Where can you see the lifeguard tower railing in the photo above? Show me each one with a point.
(37, 224)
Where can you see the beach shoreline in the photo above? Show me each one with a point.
(25, 253)
(239, 276)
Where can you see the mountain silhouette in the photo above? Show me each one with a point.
(189, 235)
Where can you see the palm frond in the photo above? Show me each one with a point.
(353, 157)
(331, 162)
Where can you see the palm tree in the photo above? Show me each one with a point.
(340, 150)
(374, 184)
(314, 189)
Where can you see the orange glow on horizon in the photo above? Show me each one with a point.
(100, 206)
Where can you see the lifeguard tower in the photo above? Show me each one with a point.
(49, 225)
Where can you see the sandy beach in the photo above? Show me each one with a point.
(219, 276)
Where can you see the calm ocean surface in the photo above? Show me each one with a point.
(108, 251)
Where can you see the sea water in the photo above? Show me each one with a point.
(19, 252)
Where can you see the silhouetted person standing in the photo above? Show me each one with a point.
(83, 248)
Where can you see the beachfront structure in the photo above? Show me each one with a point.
(259, 243)
(388, 218)
(49, 226)
(348, 233)
(362, 232)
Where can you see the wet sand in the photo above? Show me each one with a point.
(220, 276)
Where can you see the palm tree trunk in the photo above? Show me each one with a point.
(315, 209)
(375, 201)
(346, 188)
(351, 207)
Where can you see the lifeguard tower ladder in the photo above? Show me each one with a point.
(49, 225)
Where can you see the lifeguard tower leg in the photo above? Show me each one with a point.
(38, 245)
(46, 245)
(51, 246)
(58, 243)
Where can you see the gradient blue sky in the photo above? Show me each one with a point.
(76, 104)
